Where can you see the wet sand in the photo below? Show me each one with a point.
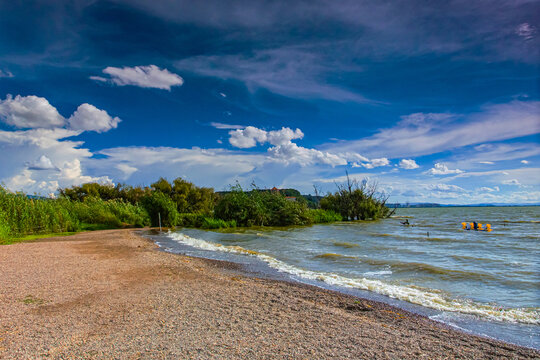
(112, 294)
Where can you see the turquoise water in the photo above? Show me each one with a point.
(433, 263)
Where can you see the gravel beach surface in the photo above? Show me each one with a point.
(113, 295)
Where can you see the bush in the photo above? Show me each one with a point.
(261, 208)
(355, 201)
(319, 216)
(158, 204)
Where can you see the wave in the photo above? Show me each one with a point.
(378, 273)
(346, 245)
(426, 297)
(334, 256)
(521, 221)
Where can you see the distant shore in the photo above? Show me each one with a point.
(111, 294)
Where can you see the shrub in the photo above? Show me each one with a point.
(158, 204)
(319, 216)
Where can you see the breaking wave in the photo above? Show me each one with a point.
(435, 299)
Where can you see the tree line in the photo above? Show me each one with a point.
(181, 203)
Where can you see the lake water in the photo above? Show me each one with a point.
(484, 282)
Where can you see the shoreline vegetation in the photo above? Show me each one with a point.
(95, 206)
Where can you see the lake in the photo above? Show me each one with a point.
(483, 282)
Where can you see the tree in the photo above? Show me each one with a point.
(357, 201)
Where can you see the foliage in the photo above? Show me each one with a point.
(158, 204)
(354, 201)
(96, 206)
(319, 216)
(112, 213)
(20, 215)
(260, 208)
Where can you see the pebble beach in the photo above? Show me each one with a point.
(113, 295)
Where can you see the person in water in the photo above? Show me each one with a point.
(406, 222)
(475, 225)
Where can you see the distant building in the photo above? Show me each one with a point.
(290, 198)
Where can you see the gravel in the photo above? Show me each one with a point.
(113, 295)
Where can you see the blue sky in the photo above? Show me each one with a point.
(435, 102)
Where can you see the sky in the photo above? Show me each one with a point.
(433, 101)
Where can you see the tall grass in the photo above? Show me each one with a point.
(21, 216)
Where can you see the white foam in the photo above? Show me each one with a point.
(413, 294)
(378, 273)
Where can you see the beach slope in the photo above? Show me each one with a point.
(112, 294)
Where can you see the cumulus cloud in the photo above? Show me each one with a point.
(250, 136)
(408, 164)
(149, 76)
(442, 169)
(43, 163)
(524, 162)
(223, 126)
(89, 118)
(29, 112)
(28, 154)
(292, 153)
(373, 163)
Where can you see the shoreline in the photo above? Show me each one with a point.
(113, 293)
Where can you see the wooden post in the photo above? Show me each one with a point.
(159, 215)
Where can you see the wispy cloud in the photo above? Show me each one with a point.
(223, 126)
(526, 31)
(290, 71)
(5, 74)
(423, 134)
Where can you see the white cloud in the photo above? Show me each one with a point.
(149, 76)
(445, 188)
(374, 163)
(442, 169)
(5, 74)
(43, 163)
(526, 31)
(289, 71)
(21, 171)
(513, 182)
(423, 134)
(20, 181)
(223, 126)
(292, 153)
(524, 162)
(250, 136)
(29, 112)
(408, 164)
(126, 170)
(89, 118)
(486, 162)
(488, 189)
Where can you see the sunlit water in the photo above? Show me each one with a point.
(489, 276)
